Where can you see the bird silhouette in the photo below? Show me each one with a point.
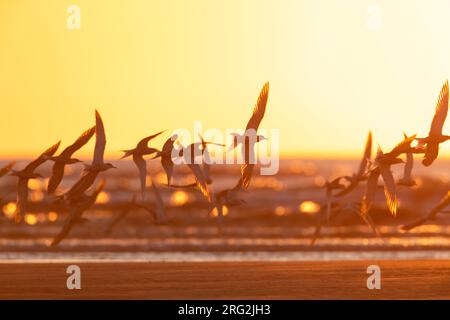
(250, 137)
(25, 175)
(383, 163)
(65, 158)
(138, 154)
(406, 180)
(91, 172)
(435, 136)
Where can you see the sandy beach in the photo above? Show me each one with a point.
(416, 279)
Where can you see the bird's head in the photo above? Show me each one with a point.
(74, 160)
(261, 138)
(108, 166)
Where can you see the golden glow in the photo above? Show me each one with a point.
(34, 184)
(37, 196)
(9, 210)
(152, 65)
(309, 207)
(30, 219)
(102, 198)
(179, 198)
(282, 211)
(215, 212)
(52, 216)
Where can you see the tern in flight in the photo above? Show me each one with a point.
(166, 157)
(91, 171)
(189, 154)
(445, 202)
(207, 158)
(82, 203)
(406, 180)
(435, 136)
(65, 158)
(25, 175)
(361, 175)
(383, 163)
(138, 154)
(250, 132)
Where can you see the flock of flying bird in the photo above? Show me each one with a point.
(78, 200)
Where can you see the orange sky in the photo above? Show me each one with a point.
(161, 64)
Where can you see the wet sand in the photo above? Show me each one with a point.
(416, 279)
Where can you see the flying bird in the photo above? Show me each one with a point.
(251, 134)
(65, 158)
(445, 202)
(361, 175)
(406, 180)
(383, 163)
(138, 153)
(207, 158)
(166, 157)
(77, 208)
(189, 153)
(435, 136)
(98, 165)
(25, 175)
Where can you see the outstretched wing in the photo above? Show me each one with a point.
(389, 189)
(100, 140)
(80, 142)
(57, 176)
(143, 143)
(366, 156)
(403, 147)
(260, 108)
(200, 180)
(42, 158)
(142, 167)
(371, 189)
(441, 111)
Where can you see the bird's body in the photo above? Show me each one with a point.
(435, 136)
(138, 154)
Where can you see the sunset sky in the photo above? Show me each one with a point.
(335, 70)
